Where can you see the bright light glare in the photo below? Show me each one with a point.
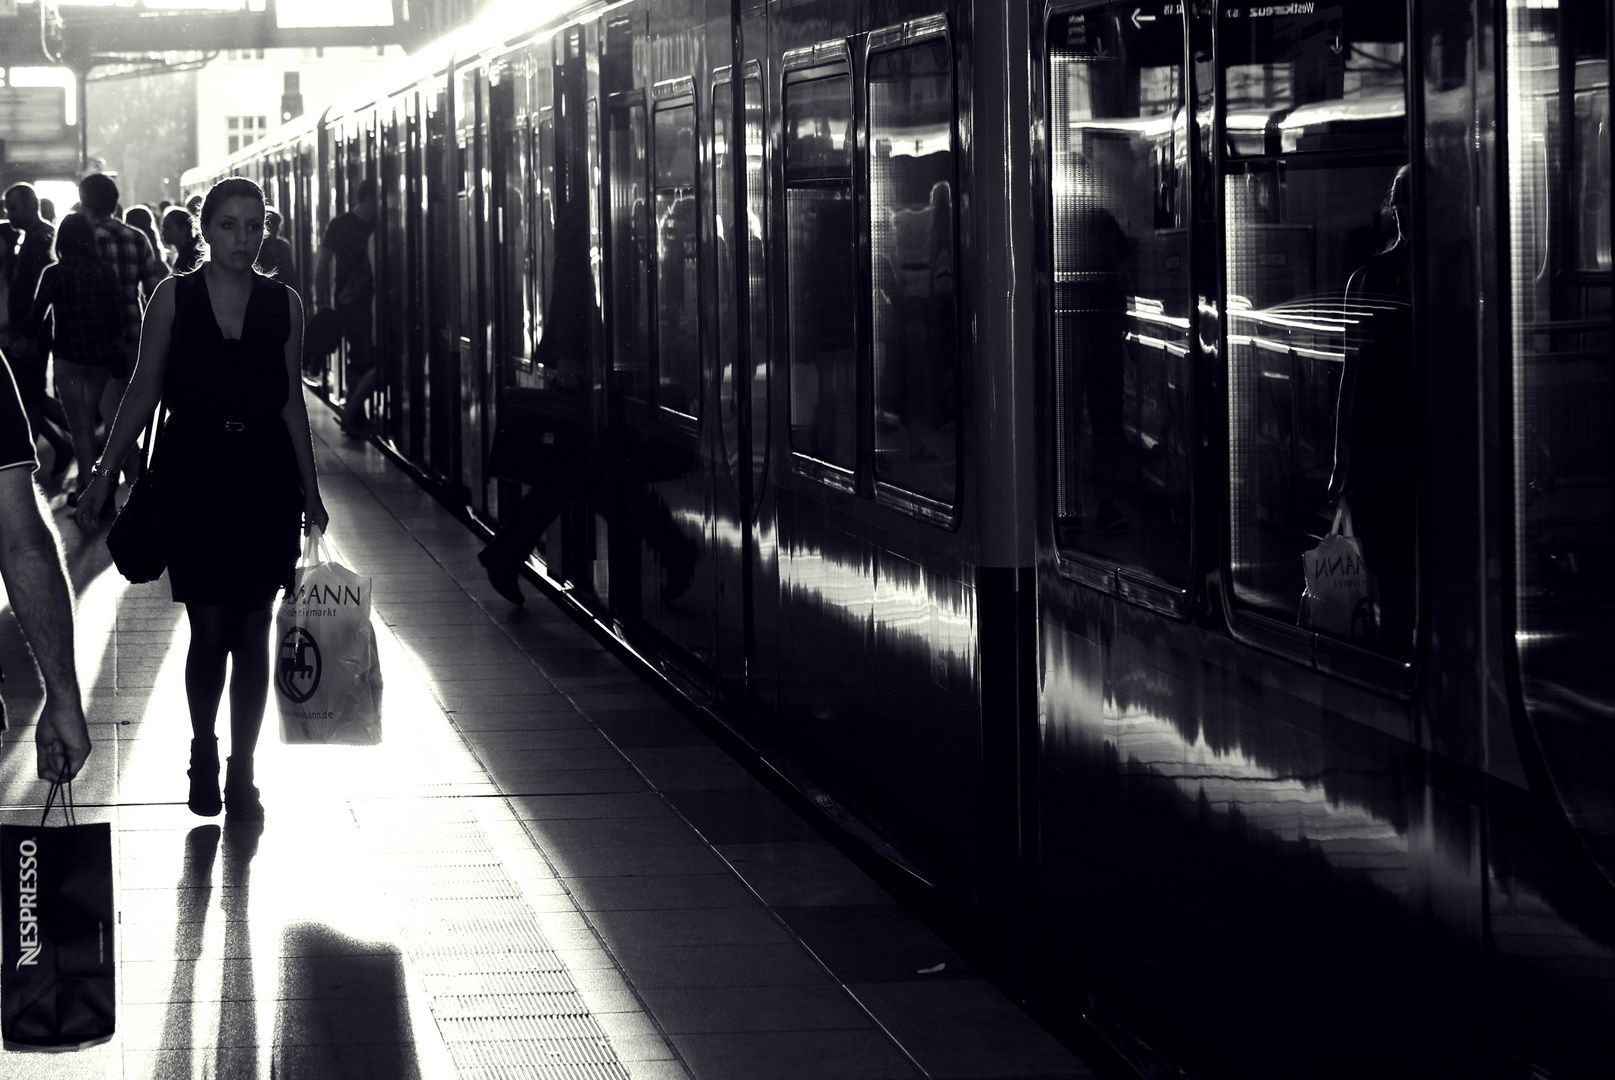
(299, 14)
(50, 76)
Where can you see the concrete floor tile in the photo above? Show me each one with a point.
(967, 1028)
(795, 1055)
(691, 926)
(643, 803)
(650, 892)
(661, 965)
(814, 1007)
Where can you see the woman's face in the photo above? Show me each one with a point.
(171, 234)
(236, 232)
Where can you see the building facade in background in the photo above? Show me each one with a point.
(241, 96)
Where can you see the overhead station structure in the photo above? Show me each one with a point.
(49, 49)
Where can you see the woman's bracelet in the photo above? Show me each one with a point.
(99, 470)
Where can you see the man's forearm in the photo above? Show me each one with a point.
(37, 584)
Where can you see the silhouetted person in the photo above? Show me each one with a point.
(181, 234)
(29, 349)
(80, 293)
(140, 217)
(139, 272)
(275, 257)
(1374, 426)
(350, 286)
(564, 350)
(1096, 300)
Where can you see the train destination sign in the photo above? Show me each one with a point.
(33, 112)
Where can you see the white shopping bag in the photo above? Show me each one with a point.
(1340, 594)
(327, 673)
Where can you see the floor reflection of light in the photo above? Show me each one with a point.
(310, 868)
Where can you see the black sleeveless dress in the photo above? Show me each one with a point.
(226, 473)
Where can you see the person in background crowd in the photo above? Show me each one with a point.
(139, 271)
(347, 244)
(81, 294)
(47, 210)
(39, 592)
(140, 218)
(563, 353)
(30, 351)
(179, 232)
(235, 464)
(194, 205)
(275, 257)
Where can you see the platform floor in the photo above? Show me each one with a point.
(545, 870)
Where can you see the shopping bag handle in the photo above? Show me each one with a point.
(1342, 523)
(315, 548)
(64, 789)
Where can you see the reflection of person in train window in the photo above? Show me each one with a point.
(1374, 426)
(1098, 305)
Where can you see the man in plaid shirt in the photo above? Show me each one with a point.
(129, 253)
(126, 250)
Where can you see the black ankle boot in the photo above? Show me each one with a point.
(204, 774)
(240, 797)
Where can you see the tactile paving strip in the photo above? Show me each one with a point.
(501, 996)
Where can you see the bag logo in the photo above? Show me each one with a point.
(28, 902)
(298, 674)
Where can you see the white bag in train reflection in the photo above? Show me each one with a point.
(327, 672)
(1340, 590)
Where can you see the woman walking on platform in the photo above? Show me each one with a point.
(234, 469)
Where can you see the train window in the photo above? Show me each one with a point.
(516, 242)
(678, 280)
(818, 122)
(1119, 148)
(1323, 372)
(1563, 399)
(630, 252)
(912, 255)
(733, 387)
(821, 271)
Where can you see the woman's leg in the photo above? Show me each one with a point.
(249, 681)
(204, 686)
(81, 387)
(212, 634)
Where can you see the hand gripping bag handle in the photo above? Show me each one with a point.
(315, 549)
(64, 789)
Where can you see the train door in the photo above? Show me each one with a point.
(412, 419)
(392, 276)
(628, 313)
(470, 110)
(441, 177)
(741, 361)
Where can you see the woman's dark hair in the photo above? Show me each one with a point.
(232, 188)
(181, 218)
(75, 239)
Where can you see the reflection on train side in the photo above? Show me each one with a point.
(1364, 816)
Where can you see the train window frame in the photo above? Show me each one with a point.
(823, 63)
(1132, 583)
(1252, 627)
(940, 512)
(669, 97)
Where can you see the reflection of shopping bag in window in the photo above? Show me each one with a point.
(327, 673)
(1339, 595)
(58, 983)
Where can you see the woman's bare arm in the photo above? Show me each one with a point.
(295, 413)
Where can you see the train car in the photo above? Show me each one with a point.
(1143, 470)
